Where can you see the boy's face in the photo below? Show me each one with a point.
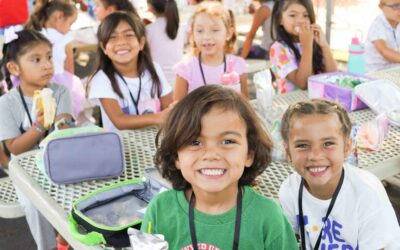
(215, 161)
(317, 149)
(391, 10)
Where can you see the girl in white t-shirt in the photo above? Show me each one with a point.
(129, 88)
(331, 204)
(164, 33)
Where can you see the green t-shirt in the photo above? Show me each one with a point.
(263, 225)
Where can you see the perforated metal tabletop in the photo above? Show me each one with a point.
(55, 201)
(391, 74)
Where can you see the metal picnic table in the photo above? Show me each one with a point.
(55, 201)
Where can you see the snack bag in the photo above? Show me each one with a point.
(43, 100)
(264, 90)
(143, 241)
(372, 134)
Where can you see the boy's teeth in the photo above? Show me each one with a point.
(316, 170)
(212, 171)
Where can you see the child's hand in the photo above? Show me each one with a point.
(319, 35)
(40, 120)
(306, 35)
(163, 115)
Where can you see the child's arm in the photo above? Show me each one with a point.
(386, 52)
(181, 88)
(29, 139)
(320, 39)
(262, 14)
(243, 85)
(24, 142)
(124, 121)
(69, 60)
(166, 101)
(299, 76)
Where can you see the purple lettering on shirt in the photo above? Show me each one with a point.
(326, 231)
(347, 247)
(336, 226)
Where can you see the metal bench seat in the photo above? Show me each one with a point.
(9, 205)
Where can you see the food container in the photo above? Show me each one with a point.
(337, 87)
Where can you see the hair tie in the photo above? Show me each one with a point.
(295, 106)
(10, 33)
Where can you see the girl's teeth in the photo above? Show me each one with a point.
(212, 171)
(121, 52)
(317, 170)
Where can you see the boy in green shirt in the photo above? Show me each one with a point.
(212, 150)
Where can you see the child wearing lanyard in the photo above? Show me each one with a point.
(212, 159)
(127, 85)
(331, 204)
(28, 56)
(213, 36)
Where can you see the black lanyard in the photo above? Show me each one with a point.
(202, 72)
(301, 218)
(24, 104)
(135, 102)
(237, 223)
(21, 129)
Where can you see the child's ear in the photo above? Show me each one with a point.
(59, 15)
(103, 48)
(230, 33)
(177, 163)
(347, 146)
(13, 68)
(250, 159)
(288, 157)
(110, 9)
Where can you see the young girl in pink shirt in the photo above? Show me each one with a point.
(213, 36)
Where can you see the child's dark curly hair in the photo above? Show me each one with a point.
(184, 125)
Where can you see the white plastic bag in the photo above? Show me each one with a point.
(143, 241)
(383, 97)
(372, 134)
(264, 89)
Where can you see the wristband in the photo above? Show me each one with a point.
(39, 129)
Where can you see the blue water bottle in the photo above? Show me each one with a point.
(356, 63)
